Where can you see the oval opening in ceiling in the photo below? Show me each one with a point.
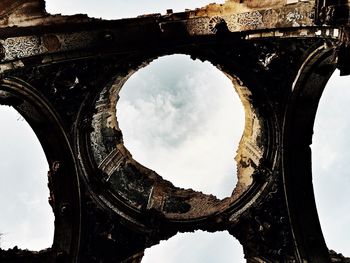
(183, 119)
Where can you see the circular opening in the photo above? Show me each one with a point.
(196, 247)
(26, 218)
(331, 151)
(183, 119)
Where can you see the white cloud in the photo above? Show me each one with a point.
(183, 119)
(330, 150)
(26, 217)
(198, 247)
(187, 126)
(331, 166)
(21, 232)
(111, 9)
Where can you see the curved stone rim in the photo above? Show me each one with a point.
(65, 191)
(297, 138)
(228, 208)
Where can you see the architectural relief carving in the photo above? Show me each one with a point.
(21, 47)
(109, 208)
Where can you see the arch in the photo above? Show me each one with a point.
(65, 193)
(98, 148)
(297, 138)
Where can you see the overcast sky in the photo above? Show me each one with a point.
(184, 119)
(201, 123)
(331, 163)
(112, 9)
(25, 212)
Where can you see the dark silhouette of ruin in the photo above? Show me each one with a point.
(63, 75)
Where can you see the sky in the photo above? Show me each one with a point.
(331, 164)
(183, 119)
(196, 131)
(116, 9)
(25, 212)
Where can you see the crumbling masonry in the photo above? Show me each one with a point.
(64, 73)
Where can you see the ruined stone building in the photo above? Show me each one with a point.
(63, 75)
